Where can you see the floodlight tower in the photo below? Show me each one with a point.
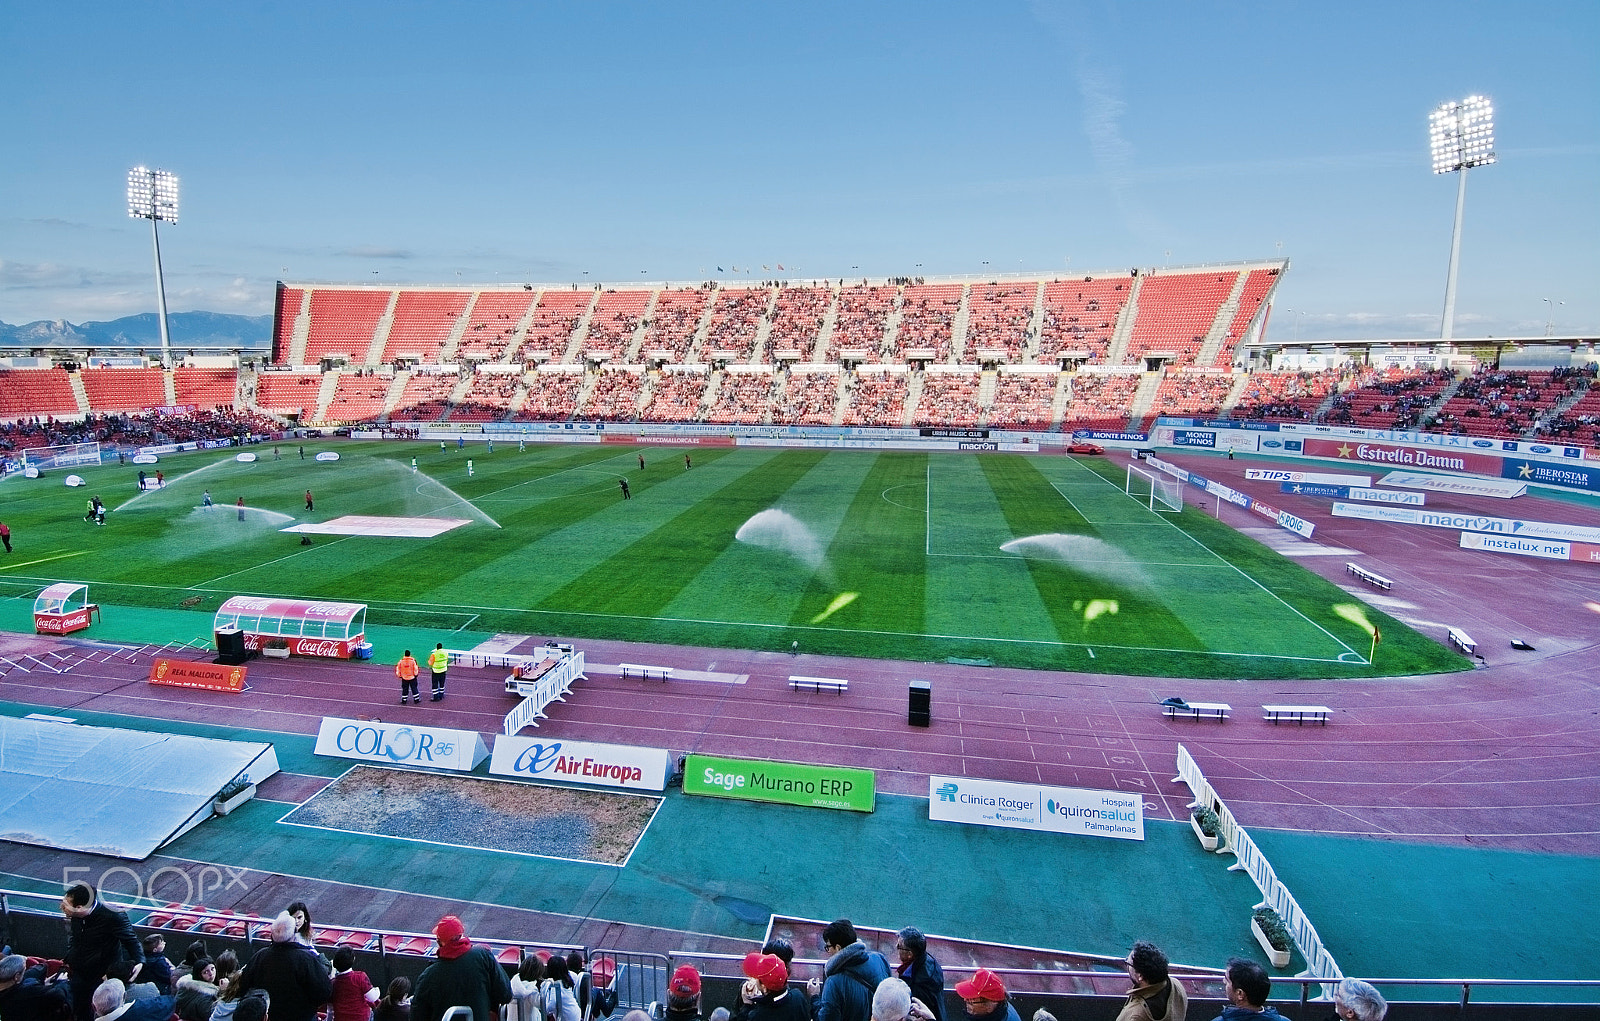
(153, 196)
(1461, 136)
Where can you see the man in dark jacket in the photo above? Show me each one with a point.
(111, 1004)
(297, 981)
(920, 970)
(25, 997)
(1247, 985)
(464, 976)
(852, 976)
(97, 938)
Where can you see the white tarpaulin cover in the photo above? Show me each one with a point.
(108, 791)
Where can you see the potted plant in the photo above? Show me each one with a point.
(1273, 936)
(275, 648)
(1207, 827)
(233, 794)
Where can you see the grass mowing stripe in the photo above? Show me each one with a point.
(876, 554)
(1113, 600)
(982, 590)
(766, 578)
(645, 574)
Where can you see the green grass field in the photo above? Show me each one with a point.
(1035, 561)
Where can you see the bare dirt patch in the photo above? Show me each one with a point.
(496, 815)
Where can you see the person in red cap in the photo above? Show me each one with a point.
(683, 995)
(766, 995)
(464, 976)
(983, 996)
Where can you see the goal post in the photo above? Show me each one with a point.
(1161, 494)
(66, 455)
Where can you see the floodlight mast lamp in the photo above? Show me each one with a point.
(1461, 136)
(153, 196)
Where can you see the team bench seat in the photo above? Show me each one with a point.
(1463, 641)
(837, 685)
(1371, 578)
(1301, 714)
(1198, 710)
(660, 673)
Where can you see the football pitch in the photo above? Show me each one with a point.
(1019, 560)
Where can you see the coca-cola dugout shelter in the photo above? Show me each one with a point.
(309, 627)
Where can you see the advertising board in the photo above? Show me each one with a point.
(179, 673)
(784, 783)
(396, 745)
(1026, 806)
(606, 765)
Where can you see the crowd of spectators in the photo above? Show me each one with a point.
(132, 430)
(1395, 399)
(109, 974)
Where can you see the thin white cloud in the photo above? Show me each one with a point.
(375, 252)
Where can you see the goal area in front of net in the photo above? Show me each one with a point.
(1160, 493)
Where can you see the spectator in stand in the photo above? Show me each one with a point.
(765, 995)
(229, 998)
(25, 997)
(353, 992)
(123, 971)
(851, 974)
(525, 1003)
(109, 1003)
(683, 995)
(300, 912)
(157, 968)
(396, 1002)
(983, 998)
(1155, 996)
(1246, 986)
(920, 970)
(96, 937)
(893, 1002)
(253, 1006)
(560, 992)
(297, 983)
(1355, 1000)
(464, 975)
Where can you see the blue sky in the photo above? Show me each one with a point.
(501, 142)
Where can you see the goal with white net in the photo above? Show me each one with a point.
(67, 455)
(1158, 492)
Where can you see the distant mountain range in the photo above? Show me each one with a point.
(187, 329)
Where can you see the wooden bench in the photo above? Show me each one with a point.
(1371, 578)
(837, 685)
(1300, 714)
(660, 673)
(1198, 710)
(1463, 641)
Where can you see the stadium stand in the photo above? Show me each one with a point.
(1391, 399)
(491, 330)
(1285, 396)
(288, 393)
(675, 397)
(736, 318)
(674, 322)
(285, 319)
(615, 396)
(206, 388)
(358, 396)
(743, 398)
(861, 321)
(489, 397)
(36, 392)
(1100, 400)
(552, 397)
(1079, 316)
(1197, 394)
(555, 320)
(1175, 313)
(124, 389)
(423, 321)
(1500, 404)
(1023, 401)
(798, 320)
(877, 398)
(617, 314)
(999, 320)
(807, 398)
(927, 322)
(424, 398)
(948, 398)
(1256, 287)
(344, 323)
(1579, 421)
